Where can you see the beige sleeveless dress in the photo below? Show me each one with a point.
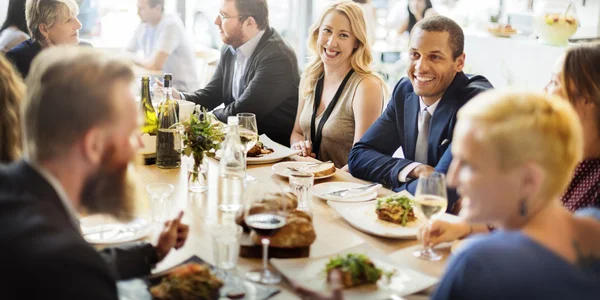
(337, 136)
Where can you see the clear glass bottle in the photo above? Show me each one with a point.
(150, 125)
(168, 140)
(232, 169)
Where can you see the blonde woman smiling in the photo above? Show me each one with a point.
(340, 96)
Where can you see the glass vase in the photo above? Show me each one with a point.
(198, 175)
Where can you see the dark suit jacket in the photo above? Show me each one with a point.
(23, 54)
(43, 251)
(371, 158)
(270, 87)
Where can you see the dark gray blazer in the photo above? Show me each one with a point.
(43, 251)
(270, 87)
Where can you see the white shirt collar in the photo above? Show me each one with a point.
(58, 188)
(248, 47)
(431, 108)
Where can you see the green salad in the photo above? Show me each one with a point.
(359, 266)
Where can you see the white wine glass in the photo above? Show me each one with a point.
(248, 135)
(265, 213)
(430, 202)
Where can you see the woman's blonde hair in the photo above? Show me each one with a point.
(361, 58)
(528, 127)
(12, 91)
(38, 12)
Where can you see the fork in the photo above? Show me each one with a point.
(344, 192)
(308, 165)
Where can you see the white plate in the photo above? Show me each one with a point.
(320, 190)
(102, 229)
(281, 168)
(309, 272)
(362, 216)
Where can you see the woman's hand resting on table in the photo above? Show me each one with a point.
(305, 147)
(173, 235)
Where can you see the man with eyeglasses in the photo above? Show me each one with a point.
(164, 45)
(257, 72)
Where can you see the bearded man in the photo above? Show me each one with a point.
(80, 136)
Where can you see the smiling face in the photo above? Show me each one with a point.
(431, 65)
(65, 31)
(489, 193)
(336, 42)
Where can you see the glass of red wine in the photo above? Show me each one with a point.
(265, 213)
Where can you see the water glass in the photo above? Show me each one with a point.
(226, 250)
(161, 204)
(301, 183)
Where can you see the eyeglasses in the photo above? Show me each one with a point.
(224, 17)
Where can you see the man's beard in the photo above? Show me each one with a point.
(111, 190)
(236, 39)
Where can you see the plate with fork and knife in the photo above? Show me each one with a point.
(104, 229)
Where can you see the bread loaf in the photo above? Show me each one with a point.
(297, 232)
(321, 170)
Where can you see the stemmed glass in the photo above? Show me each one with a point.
(265, 213)
(248, 136)
(430, 202)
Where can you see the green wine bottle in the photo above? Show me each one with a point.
(150, 119)
(168, 140)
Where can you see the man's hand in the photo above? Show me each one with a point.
(335, 282)
(421, 169)
(173, 235)
(160, 84)
(305, 147)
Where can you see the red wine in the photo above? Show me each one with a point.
(265, 224)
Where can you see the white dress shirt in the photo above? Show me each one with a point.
(242, 54)
(403, 175)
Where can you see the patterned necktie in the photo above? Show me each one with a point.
(423, 138)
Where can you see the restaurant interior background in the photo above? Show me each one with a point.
(520, 61)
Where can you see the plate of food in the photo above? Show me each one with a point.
(349, 191)
(319, 170)
(196, 279)
(266, 151)
(389, 217)
(103, 229)
(366, 274)
(501, 30)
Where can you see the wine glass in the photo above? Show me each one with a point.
(248, 136)
(430, 202)
(265, 213)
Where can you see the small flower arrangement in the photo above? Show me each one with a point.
(202, 135)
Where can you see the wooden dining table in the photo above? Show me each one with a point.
(334, 234)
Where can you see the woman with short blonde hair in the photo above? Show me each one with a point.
(50, 22)
(12, 90)
(340, 95)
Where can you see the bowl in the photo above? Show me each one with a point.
(555, 29)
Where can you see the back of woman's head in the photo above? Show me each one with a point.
(12, 90)
(522, 128)
(581, 74)
(361, 58)
(16, 16)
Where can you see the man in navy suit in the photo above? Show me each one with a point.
(421, 115)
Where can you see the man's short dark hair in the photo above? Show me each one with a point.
(256, 9)
(154, 3)
(444, 24)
